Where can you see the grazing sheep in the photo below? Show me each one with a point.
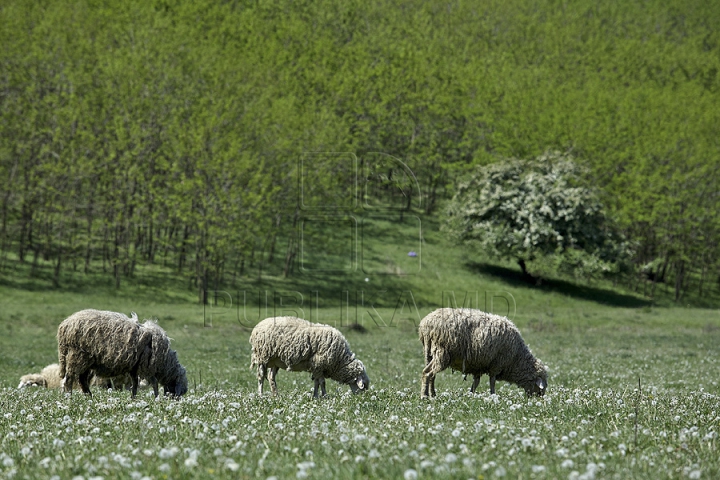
(298, 345)
(477, 343)
(50, 377)
(111, 344)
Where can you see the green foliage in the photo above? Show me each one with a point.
(523, 209)
(173, 132)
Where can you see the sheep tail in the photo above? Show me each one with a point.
(253, 361)
(62, 352)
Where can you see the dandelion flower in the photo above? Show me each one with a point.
(410, 474)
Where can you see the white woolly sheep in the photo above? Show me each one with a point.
(298, 345)
(110, 344)
(50, 377)
(477, 343)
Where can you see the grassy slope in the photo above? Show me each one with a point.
(597, 341)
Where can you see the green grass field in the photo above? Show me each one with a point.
(597, 340)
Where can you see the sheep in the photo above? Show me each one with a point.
(50, 377)
(298, 345)
(477, 343)
(111, 344)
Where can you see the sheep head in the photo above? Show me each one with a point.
(539, 384)
(32, 380)
(359, 380)
(174, 379)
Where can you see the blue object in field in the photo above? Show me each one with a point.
(412, 254)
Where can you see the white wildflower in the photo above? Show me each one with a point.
(166, 453)
(410, 474)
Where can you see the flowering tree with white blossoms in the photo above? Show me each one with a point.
(524, 209)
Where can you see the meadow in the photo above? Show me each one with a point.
(633, 382)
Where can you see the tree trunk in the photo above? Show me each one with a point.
(25, 227)
(292, 245)
(58, 264)
(523, 267)
(432, 197)
(116, 258)
(183, 246)
(274, 238)
(289, 256)
(6, 203)
(679, 277)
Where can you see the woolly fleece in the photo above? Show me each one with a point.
(477, 343)
(111, 344)
(298, 345)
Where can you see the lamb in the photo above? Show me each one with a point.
(477, 343)
(50, 377)
(111, 344)
(298, 345)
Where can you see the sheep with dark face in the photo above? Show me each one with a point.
(110, 344)
(478, 343)
(298, 345)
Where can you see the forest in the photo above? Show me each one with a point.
(198, 135)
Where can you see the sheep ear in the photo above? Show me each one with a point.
(540, 383)
(360, 383)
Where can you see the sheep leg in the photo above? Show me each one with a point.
(427, 382)
(84, 382)
(154, 384)
(272, 374)
(322, 386)
(476, 381)
(134, 386)
(262, 372)
(68, 383)
(440, 361)
(315, 390)
(492, 384)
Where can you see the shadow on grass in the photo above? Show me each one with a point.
(563, 287)
(382, 291)
(145, 285)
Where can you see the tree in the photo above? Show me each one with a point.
(524, 209)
